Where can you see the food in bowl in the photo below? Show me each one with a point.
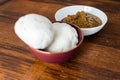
(65, 38)
(58, 57)
(35, 30)
(71, 10)
(44, 37)
(83, 20)
(38, 32)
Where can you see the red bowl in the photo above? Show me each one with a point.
(57, 57)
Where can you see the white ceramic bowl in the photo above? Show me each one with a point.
(70, 10)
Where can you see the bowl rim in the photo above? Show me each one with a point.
(103, 23)
(59, 53)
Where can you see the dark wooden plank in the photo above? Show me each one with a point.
(2, 2)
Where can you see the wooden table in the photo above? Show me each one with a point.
(97, 59)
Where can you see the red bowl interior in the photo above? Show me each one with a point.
(56, 57)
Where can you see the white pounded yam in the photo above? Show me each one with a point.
(65, 38)
(35, 30)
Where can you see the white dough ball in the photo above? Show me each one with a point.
(65, 38)
(35, 30)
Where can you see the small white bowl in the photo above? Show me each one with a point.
(70, 10)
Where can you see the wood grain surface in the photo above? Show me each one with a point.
(97, 59)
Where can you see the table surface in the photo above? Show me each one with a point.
(98, 58)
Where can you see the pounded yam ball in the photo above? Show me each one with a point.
(35, 30)
(65, 38)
